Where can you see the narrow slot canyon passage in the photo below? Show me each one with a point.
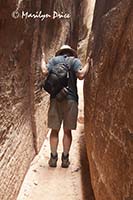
(101, 154)
(73, 183)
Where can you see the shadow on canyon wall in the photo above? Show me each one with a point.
(87, 189)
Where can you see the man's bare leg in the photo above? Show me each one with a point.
(67, 140)
(54, 140)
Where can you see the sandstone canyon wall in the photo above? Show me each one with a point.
(109, 101)
(23, 106)
(108, 89)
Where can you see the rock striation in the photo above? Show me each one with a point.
(23, 106)
(109, 100)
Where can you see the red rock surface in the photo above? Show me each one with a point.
(23, 106)
(109, 101)
(108, 90)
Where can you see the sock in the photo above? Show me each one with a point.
(65, 154)
(54, 154)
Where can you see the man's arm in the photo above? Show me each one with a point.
(82, 72)
(43, 65)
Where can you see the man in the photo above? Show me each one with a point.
(65, 111)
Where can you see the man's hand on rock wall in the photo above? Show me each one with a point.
(43, 63)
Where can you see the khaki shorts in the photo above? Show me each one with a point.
(65, 111)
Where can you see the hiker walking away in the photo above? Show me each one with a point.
(65, 110)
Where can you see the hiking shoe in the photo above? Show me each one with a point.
(53, 160)
(65, 161)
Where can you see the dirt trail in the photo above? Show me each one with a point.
(45, 183)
